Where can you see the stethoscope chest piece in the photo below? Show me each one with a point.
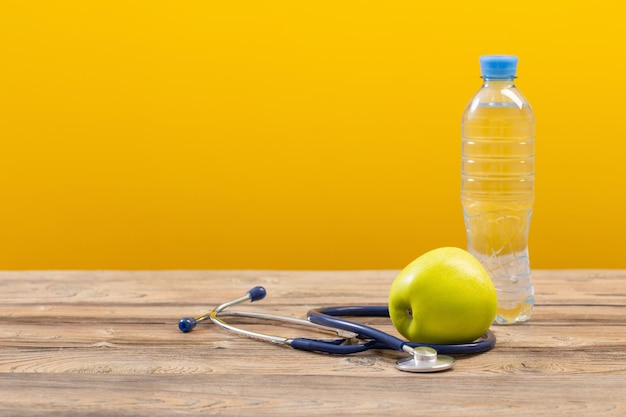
(425, 359)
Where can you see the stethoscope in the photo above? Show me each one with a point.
(354, 337)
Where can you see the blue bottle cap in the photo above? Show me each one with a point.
(498, 66)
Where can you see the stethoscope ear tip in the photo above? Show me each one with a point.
(257, 293)
(187, 324)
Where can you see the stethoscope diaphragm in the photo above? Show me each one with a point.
(425, 359)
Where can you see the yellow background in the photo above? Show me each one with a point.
(293, 134)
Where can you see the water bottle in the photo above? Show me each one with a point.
(497, 187)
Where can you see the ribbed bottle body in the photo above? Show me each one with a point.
(497, 192)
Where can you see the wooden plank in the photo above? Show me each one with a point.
(210, 287)
(310, 395)
(224, 356)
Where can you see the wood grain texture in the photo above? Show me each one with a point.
(106, 343)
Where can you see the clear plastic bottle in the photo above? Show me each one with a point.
(497, 189)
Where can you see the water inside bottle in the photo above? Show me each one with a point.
(512, 278)
(497, 196)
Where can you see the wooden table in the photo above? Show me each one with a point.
(107, 343)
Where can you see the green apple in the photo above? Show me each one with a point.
(444, 296)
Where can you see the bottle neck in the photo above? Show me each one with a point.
(507, 82)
